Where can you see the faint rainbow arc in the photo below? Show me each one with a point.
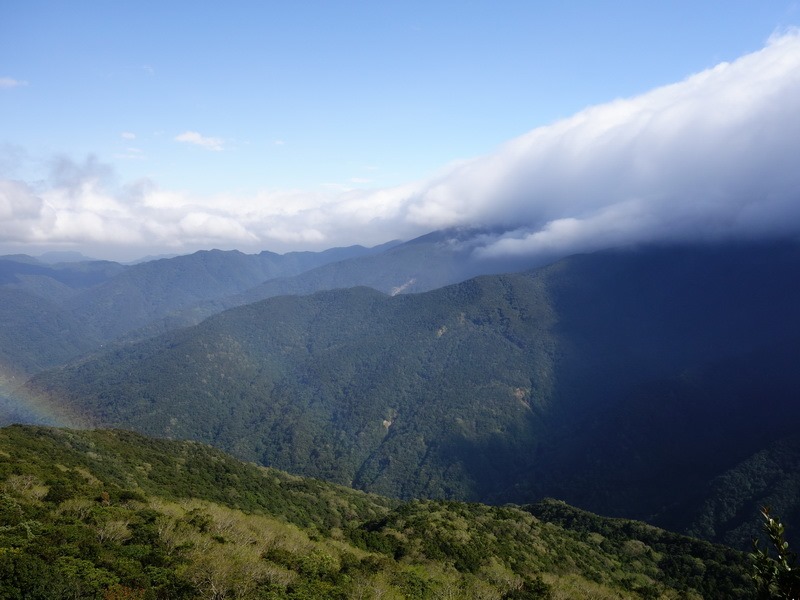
(39, 407)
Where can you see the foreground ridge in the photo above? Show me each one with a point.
(113, 514)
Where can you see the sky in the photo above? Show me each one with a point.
(133, 129)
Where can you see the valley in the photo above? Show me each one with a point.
(633, 383)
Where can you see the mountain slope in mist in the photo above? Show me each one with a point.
(54, 313)
(425, 263)
(151, 291)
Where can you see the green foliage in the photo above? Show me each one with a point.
(667, 558)
(731, 512)
(122, 528)
(349, 386)
(131, 466)
(36, 334)
(530, 589)
(777, 576)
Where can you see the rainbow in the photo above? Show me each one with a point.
(20, 405)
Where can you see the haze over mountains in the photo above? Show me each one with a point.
(99, 301)
(55, 313)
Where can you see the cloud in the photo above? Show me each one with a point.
(20, 210)
(74, 178)
(711, 157)
(205, 227)
(130, 154)
(193, 137)
(8, 82)
(127, 135)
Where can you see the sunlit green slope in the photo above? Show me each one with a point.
(114, 515)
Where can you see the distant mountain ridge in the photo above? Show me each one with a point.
(425, 263)
(595, 379)
(121, 303)
(149, 291)
(104, 301)
(143, 299)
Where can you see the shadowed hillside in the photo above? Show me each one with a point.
(623, 381)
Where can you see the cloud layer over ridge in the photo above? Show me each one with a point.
(711, 157)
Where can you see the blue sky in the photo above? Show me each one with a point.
(258, 125)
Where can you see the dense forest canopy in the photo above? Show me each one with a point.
(111, 514)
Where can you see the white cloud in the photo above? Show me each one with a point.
(193, 137)
(127, 135)
(710, 157)
(8, 82)
(130, 154)
(204, 227)
(17, 204)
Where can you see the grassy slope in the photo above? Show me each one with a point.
(111, 514)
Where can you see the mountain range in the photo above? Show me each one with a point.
(101, 302)
(639, 382)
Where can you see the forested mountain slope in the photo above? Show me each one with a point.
(111, 514)
(108, 302)
(429, 262)
(37, 334)
(770, 477)
(422, 264)
(154, 290)
(54, 282)
(53, 313)
(621, 381)
(36, 331)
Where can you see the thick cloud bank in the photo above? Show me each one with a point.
(712, 157)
